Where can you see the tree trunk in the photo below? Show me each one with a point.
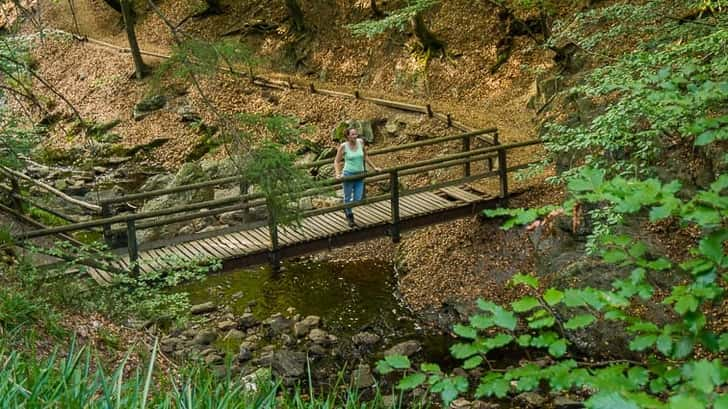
(430, 43)
(114, 4)
(128, 14)
(375, 10)
(294, 10)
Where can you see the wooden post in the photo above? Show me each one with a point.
(503, 174)
(449, 121)
(466, 148)
(274, 254)
(312, 88)
(429, 110)
(394, 201)
(106, 212)
(15, 195)
(133, 246)
(356, 94)
(490, 160)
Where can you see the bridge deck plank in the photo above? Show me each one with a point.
(236, 244)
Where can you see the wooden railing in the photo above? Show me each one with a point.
(394, 175)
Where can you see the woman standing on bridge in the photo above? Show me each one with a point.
(354, 157)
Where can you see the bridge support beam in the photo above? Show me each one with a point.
(133, 246)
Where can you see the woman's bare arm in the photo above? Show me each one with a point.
(338, 161)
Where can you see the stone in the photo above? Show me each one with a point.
(226, 325)
(321, 337)
(188, 114)
(213, 359)
(563, 402)
(234, 334)
(244, 354)
(149, 105)
(279, 324)
(406, 348)
(227, 193)
(203, 308)
(362, 377)
(530, 400)
(289, 364)
(317, 350)
(157, 182)
(389, 401)
(365, 338)
(303, 327)
(247, 320)
(461, 403)
(391, 128)
(204, 338)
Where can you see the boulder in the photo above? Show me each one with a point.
(279, 324)
(363, 126)
(203, 308)
(149, 105)
(289, 364)
(362, 377)
(157, 182)
(226, 325)
(321, 337)
(365, 338)
(205, 338)
(303, 327)
(563, 402)
(234, 334)
(406, 348)
(244, 354)
(247, 320)
(530, 400)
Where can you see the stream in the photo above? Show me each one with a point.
(349, 298)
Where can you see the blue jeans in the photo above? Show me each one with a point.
(353, 191)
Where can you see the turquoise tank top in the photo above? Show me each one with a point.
(354, 159)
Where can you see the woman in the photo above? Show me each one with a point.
(350, 159)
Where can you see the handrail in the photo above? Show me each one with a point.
(232, 179)
(444, 161)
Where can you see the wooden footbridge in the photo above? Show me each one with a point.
(399, 202)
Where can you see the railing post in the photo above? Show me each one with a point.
(243, 192)
(131, 243)
(466, 148)
(15, 195)
(274, 255)
(106, 212)
(490, 160)
(503, 174)
(394, 201)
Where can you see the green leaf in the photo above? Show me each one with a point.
(642, 342)
(544, 322)
(685, 304)
(383, 367)
(493, 385)
(685, 402)
(525, 304)
(524, 279)
(553, 296)
(574, 298)
(486, 306)
(588, 180)
(721, 402)
(683, 348)
(411, 381)
(704, 376)
(712, 246)
(462, 351)
(723, 342)
(664, 344)
(473, 362)
(505, 319)
(524, 340)
(433, 368)
(480, 321)
(398, 361)
(558, 348)
(465, 331)
(580, 321)
(611, 400)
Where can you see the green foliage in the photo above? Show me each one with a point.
(671, 375)
(273, 170)
(675, 83)
(398, 19)
(518, 216)
(198, 58)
